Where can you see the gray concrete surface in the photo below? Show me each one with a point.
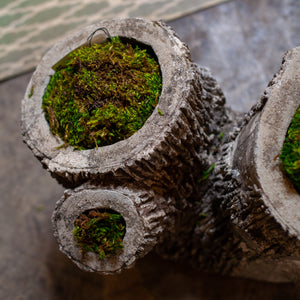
(242, 43)
(32, 266)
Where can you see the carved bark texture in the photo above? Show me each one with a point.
(157, 168)
(145, 219)
(250, 215)
(243, 221)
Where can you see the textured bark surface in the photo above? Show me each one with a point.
(40, 270)
(159, 167)
(145, 219)
(164, 189)
(250, 224)
(233, 223)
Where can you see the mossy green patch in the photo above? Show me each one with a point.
(290, 153)
(160, 112)
(103, 94)
(205, 175)
(99, 231)
(31, 92)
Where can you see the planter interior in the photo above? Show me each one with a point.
(161, 42)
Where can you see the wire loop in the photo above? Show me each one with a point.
(106, 32)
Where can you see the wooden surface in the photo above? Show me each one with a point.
(242, 42)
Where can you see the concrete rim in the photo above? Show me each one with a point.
(282, 199)
(73, 203)
(175, 64)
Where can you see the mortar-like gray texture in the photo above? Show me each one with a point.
(73, 204)
(277, 233)
(175, 66)
(168, 155)
(162, 162)
(280, 196)
(146, 216)
(41, 272)
(252, 223)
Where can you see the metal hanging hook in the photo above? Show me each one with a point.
(106, 32)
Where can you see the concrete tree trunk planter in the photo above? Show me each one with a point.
(243, 221)
(252, 223)
(150, 178)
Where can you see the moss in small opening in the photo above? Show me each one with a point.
(102, 95)
(290, 153)
(99, 231)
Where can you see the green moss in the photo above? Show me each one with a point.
(31, 92)
(160, 112)
(290, 153)
(221, 135)
(206, 174)
(102, 95)
(98, 231)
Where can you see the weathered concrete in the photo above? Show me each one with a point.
(141, 229)
(74, 167)
(38, 270)
(274, 229)
(157, 170)
(251, 226)
(162, 162)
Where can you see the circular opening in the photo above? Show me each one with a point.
(103, 93)
(100, 231)
(290, 153)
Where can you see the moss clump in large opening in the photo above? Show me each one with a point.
(99, 231)
(103, 94)
(290, 153)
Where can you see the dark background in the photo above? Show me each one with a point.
(242, 42)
